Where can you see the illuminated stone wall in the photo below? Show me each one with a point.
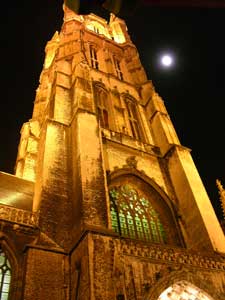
(99, 124)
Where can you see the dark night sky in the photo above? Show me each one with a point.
(193, 91)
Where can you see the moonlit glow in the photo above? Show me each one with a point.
(166, 60)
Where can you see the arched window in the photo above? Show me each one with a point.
(133, 215)
(94, 58)
(102, 106)
(133, 119)
(5, 276)
(118, 68)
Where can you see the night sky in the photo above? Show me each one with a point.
(193, 90)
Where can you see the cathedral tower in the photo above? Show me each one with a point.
(105, 202)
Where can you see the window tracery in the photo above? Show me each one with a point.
(133, 215)
(120, 121)
(5, 276)
(133, 119)
(102, 107)
(94, 58)
(119, 73)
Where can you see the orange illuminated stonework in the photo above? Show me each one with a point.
(105, 203)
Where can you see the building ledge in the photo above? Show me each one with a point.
(126, 140)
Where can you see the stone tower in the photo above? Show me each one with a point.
(105, 203)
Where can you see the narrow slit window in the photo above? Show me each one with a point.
(119, 73)
(102, 106)
(94, 58)
(96, 30)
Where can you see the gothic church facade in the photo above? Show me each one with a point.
(105, 203)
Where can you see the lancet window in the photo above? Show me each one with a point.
(102, 106)
(119, 113)
(5, 276)
(133, 215)
(94, 58)
(118, 68)
(133, 119)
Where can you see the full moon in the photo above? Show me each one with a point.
(166, 60)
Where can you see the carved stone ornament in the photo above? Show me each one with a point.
(131, 162)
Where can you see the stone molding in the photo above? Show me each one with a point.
(18, 216)
(169, 255)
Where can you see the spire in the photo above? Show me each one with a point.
(222, 195)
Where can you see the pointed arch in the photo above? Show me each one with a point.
(134, 117)
(140, 209)
(148, 180)
(102, 104)
(183, 280)
(183, 289)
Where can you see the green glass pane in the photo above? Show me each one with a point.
(113, 211)
(145, 225)
(144, 202)
(114, 194)
(5, 287)
(2, 260)
(123, 205)
(114, 217)
(162, 232)
(123, 225)
(114, 220)
(5, 276)
(121, 217)
(8, 264)
(122, 221)
(139, 210)
(146, 229)
(114, 223)
(4, 296)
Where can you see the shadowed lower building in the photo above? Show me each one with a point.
(105, 203)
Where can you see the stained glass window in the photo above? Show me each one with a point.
(133, 216)
(5, 276)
